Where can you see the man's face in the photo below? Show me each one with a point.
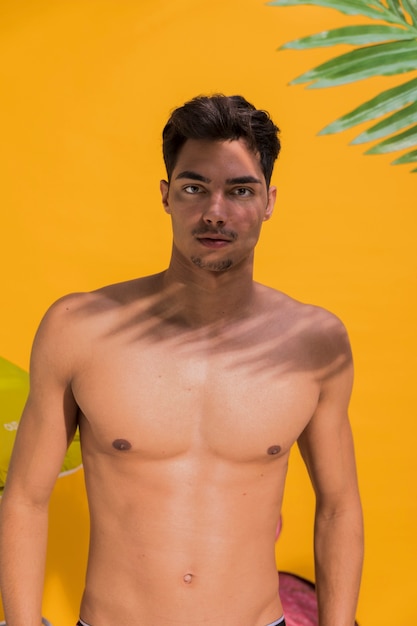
(217, 199)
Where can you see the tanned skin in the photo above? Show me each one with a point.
(189, 387)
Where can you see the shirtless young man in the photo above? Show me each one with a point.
(189, 388)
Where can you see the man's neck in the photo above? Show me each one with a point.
(205, 298)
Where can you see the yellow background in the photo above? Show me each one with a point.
(86, 88)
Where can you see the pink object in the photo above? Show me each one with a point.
(278, 529)
(298, 597)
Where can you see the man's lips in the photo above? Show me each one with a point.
(213, 241)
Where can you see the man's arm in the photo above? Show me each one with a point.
(327, 448)
(46, 428)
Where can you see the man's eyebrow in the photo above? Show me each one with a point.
(243, 180)
(193, 176)
(238, 180)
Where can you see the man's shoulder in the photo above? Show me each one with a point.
(104, 298)
(315, 314)
(80, 310)
(311, 323)
(77, 306)
(318, 318)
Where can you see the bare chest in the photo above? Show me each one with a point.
(166, 399)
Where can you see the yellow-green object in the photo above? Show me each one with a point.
(14, 388)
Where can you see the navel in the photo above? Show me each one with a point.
(122, 444)
(188, 578)
(274, 450)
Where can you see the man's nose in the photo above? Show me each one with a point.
(215, 213)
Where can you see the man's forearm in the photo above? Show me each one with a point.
(338, 558)
(23, 538)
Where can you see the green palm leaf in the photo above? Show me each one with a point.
(409, 157)
(385, 102)
(380, 60)
(352, 35)
(373, 10)
(383, 51)
(398, 142)
(389, 125)
(411, 8)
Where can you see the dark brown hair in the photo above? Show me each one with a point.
(222, 118)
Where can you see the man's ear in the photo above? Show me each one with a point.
(164, 188)
(272, 195)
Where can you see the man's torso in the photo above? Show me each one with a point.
(186, 434)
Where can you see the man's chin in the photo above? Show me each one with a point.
(215, 266)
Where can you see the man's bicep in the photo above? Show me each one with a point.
(326, 444)
(41, 443)
(49, 419)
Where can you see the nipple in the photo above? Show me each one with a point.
(188, 578)
(274, 450)
(121, 444)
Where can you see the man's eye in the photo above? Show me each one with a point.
(192, 189)
(242, 191)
